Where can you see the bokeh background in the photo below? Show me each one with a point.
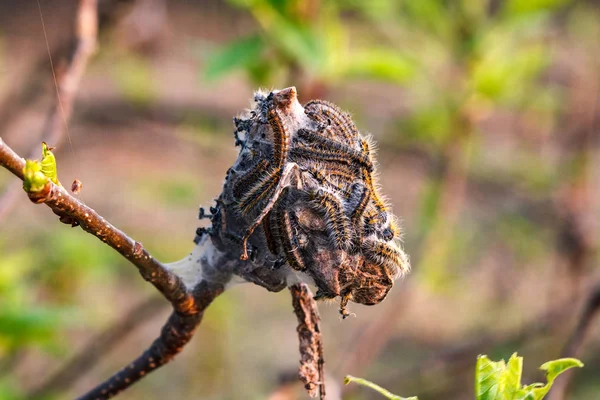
(486, 115)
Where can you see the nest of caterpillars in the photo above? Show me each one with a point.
(301, 203)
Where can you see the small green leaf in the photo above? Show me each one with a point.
(537, 391)
(33, 178)
(557, 367)
(487, 378)
(375, 387)
(242, 53)
(511, 378)
(500, 381)
(49, 164)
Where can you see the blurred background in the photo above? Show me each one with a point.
(486, 115)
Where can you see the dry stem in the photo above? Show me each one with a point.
(311, 344)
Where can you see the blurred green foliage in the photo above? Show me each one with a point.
(23, 323)
(170, 190)
(40, 283)
(498, 54)
(133, 76)
(304, 39)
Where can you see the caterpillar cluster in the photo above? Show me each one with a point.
(302, 197)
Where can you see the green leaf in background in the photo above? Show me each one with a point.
(502, 381)
(524, 7)
(287, 34)
(241, 53)
(507, 74)
(377, 10)
(31, 326)
(430, 15)
(296, 41)
(380, 64)
(348, 379)
(15, 267)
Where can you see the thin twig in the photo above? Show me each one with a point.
(67, 83)
(575, 343)
(311, 344)
(592, 307)
(79, 365)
